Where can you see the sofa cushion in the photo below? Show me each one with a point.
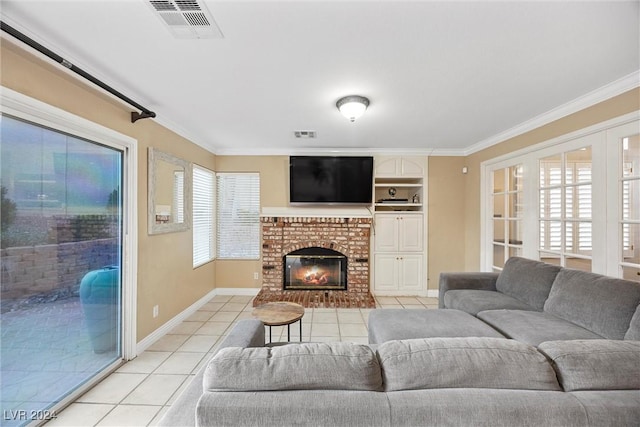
(474, 301)
(603, 305)
(305, 366)
(610, 408)
(480, 281)
(527, 280)
(457, 407)
(397, 324)
(595, 364)
(633, 333)
(294, 408)
(534, 327)
(464, 363)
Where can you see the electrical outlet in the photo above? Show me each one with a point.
(155, 311)
(256, 276)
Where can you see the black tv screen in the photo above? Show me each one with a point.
(330, 180)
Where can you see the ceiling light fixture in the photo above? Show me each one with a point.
(352, 106)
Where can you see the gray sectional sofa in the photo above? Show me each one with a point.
(533, 302)
(472, 363)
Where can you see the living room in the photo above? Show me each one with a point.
(163, 274)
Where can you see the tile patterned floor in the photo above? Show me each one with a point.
(140, 392)
(45, 352)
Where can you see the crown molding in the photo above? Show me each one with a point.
(590, 99)
(324, 151)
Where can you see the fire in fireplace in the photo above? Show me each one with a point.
(315, 268)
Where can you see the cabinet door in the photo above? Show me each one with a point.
(411, 167)
(386, 272)
(410, 233)
(387, 166)
(410, 272)
(386, 233)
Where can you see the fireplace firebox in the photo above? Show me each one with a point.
(315, 268)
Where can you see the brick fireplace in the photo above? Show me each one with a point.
(349, 236)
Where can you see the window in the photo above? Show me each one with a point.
(625, 141)
(507, 214)
(565, 191)
(238, 214)
(203, 215)
(571, 201)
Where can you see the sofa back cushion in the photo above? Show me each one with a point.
(633, 333)
(601, 304)
(305, 366)
(430, 363)
(595, 364)
(527, 280)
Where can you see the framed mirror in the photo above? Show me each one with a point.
(169, 193)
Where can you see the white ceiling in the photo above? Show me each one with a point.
(447, 77)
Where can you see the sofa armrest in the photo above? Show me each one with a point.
(245, 333)
(475, 280)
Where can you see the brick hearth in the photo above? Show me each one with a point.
(350, 236)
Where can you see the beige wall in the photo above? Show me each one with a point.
(165, 273)
(274, 181)
(446, 213)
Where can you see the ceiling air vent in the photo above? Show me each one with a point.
(187, 19)
(305, 134)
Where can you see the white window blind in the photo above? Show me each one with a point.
(238, 214)
(203, 215)
(571, 224)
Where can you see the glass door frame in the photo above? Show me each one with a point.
(615, 261)
(29, 109)
(605, 221)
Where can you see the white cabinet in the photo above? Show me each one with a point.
(399, 273)
(398, 232)
(399, 256)
(399, 167)
(399, 226)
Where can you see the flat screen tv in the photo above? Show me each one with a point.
(339, 180)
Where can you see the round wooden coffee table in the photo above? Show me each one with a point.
(280, 314)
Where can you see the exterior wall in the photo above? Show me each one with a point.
(51, 271)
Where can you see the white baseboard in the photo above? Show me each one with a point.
(175, 321)
(432, 293)
(237, 291)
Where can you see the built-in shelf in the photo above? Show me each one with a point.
(398, 178)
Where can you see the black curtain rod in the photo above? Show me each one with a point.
(146, 113)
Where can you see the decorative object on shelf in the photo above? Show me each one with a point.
(415, 199)
(352, 106)
(392, 192)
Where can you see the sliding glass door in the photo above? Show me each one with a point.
(62, 259)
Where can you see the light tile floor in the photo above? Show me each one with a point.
(140, 391)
